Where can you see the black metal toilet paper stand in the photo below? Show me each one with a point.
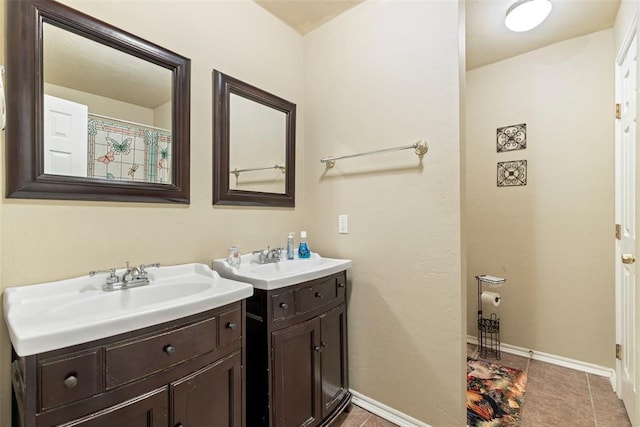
(488, 329)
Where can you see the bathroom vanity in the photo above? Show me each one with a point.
(186, 372)
(170, 353)
(297, 372)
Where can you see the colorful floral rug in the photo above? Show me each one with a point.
(495, 394)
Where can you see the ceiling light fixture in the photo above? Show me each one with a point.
(525, 15)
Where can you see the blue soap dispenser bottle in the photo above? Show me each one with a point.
(290, 248)
(303, 249)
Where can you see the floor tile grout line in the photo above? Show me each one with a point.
(593, 406)
(365, 420)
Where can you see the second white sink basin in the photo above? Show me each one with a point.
(282, 273)
(59, 314)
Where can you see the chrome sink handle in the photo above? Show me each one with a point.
(262, 254)
(142, 272)
(155, 264)
(274, 254)
(113, 277)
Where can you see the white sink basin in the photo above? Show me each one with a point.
(280, 274)
(59, 314)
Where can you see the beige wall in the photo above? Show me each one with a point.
(49, 240)
(385, 74)
(162, 116)
(553, 238)
(104, 106)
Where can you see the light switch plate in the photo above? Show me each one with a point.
(343, 224)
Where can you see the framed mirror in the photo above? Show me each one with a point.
(253, 145)
(93, 112)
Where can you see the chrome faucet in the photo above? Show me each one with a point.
(130, 274)
(131, 278)
(266, 256)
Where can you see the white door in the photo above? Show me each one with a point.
(626, 217)
(65, 137)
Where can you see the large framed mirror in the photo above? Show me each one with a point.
(93, 112)
(254, 145)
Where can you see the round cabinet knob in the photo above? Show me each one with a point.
(284, 305)
(319, 295)
(71, 381)
(231, 326)
(317, 348)
(341, 285)
(169, 349)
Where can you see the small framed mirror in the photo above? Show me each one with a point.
(254, 145)
(93, 112)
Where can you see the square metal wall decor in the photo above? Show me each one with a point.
(510, 138)
(513, 173)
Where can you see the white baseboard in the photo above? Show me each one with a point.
(384, 411)
(556, 360)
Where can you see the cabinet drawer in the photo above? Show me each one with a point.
(318, 294)
(72, 378)
(230, 327)
(131, 360)
(150, 409)
(281, 305)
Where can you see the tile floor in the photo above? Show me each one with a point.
(554, 397)
(358, 417)
(562, 397)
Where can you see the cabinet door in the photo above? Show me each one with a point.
(210, 397)
(296, 375)
(333, 326)
(148, 410)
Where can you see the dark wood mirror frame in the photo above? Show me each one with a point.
(223, 87)
(25, 177)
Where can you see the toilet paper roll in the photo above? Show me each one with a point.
(492, 298)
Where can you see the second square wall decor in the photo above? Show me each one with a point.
(512, 173)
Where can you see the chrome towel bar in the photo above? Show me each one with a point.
(421, 147)
(237, 171)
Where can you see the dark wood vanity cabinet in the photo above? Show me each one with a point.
(185, 373)
(297, 372)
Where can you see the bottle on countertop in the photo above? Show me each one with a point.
(303, 249)
(234, 256)
(290, 246)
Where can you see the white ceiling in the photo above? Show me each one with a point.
(307, 15)
(488, 40)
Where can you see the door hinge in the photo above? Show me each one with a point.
(618, 111)
(619, 351)
(618, 231)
